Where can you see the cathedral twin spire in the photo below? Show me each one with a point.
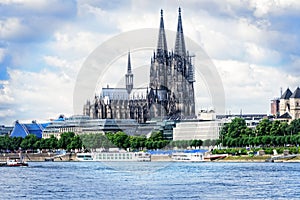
(162, 41)
(179, 44)
(162, 49)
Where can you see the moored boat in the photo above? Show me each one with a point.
(15, 162)
(187, 157)
(212, 157)
(84, 157)
(118, 156)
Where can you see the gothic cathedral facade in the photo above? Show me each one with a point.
(170, 94)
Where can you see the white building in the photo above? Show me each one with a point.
(204, 128)
(197, 129)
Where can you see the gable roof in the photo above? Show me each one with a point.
(22, 130)
(287, 94)
(296, 94)
(285, 116)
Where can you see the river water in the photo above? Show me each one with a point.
(154, 180)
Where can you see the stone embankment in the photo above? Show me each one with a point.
(38, 157)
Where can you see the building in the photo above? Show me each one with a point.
(170, 94)
(197, 129)
(252, 120)
(5, 130)
(24, 129)
(81, 124)
(205, 127)
(275, 107)
(289, 105)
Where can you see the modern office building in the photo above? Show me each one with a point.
(5, 130)
(81, 124)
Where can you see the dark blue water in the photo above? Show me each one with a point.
(155, 180)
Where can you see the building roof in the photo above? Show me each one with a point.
(285, 116)
(115, 93)
(22, 130)
(296, 94)
(287, 94)
(138, 93)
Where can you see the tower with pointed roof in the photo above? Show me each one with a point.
(284, 105)
(289, 105)
(295, 104)
(129, 76)
(171, 77)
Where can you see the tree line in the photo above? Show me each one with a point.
(70, 141)
(137, 143)
(67, 141)
(266, 133)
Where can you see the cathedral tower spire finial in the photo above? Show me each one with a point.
(129, 76)
(129, 64)
(162, 49)
(179, 43)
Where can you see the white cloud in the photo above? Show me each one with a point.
(73, 43)
(277, 7)
(12, 28)
(251, 87)
(2, 54)
(32, 95)
(5, 93)
(55, 61)
(258, 54)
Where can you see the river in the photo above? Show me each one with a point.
(153, 180)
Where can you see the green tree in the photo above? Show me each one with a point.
(264, 127)
(75, 143)
(156, 136)
(29, 142)
(65, 139)
(121, 140)
(294, 127)
(15, 143)
(53, 142)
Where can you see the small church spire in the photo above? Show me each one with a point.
(162, 48)
(179, 43)
(129, 76)
(129, 64)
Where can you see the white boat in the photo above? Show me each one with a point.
(84, 157)
(114, 156)
(16, 163)
(121, 156)
(187, 157)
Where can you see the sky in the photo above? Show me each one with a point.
(254, 46)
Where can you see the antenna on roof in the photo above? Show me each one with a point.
(280, 91)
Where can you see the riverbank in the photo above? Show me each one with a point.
(256, 159)
(39, 157)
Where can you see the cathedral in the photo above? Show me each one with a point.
(170, 94)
